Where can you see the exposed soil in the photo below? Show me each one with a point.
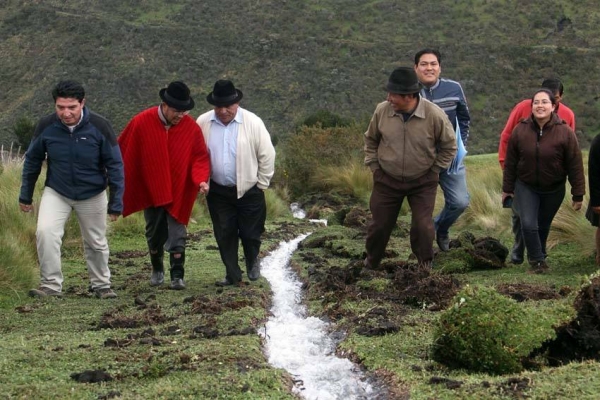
(91, 376)
(411, 285)
(152, 315)
(335, 272)
(524, 291)
(580, 339)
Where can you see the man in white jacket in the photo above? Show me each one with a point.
(242, 160)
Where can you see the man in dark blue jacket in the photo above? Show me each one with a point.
(449, 96)
(83, 158)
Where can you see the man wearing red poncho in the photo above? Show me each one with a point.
(166, 164)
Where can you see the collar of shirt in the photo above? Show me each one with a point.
(238, 118)
(72, 127)
(162, 118)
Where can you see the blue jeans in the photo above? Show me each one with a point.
(536, 210)
(456, 198)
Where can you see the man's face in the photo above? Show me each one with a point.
(69, 110)
(402, 103)
(428, 69)
(226, 114)
(558, 97)
(172, 115)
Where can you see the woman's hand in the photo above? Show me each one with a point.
(577, 205)
(505, 195)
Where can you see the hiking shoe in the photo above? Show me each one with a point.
(443, 241)
(177, 284)
(538, 267)
(105, 293)
(157, 278)
(43, 291)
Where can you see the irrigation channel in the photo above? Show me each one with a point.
(303, 345)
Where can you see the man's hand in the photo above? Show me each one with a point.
(113, 217)
(596, 210)
(204, 188)
(577, 205)
(26, 207)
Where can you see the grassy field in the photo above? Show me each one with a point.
(203, 342)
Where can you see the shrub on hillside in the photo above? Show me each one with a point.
(487, 332)
(313, 149)
(325, 119)
(23, 129)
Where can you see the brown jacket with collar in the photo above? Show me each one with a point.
(408, 150)
(543, 158)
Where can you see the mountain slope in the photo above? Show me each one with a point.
(292, 58)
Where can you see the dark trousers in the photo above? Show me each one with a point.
(536, 210)
(386, 201)
(164, 232)
(235, 219)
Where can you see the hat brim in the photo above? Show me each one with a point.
(224, 102)
(174, 103)
(395, 89)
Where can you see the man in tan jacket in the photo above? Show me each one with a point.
(408, 142)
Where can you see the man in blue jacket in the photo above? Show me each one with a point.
(83, 158)
(449, 96)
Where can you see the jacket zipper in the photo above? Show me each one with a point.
(537, 158)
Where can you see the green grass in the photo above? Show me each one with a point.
(45, 341)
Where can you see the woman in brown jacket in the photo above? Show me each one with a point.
(542, 153)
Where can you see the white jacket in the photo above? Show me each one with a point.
(255, 160)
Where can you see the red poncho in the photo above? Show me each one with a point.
(163, 168)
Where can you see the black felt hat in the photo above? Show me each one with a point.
(177, 96)
(224, 94)
(403, 80)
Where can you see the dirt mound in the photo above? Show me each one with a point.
(417, 285)
(580, 339)
(523, 291)
(152, 315)
(375, 322)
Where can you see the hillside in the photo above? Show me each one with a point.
(293, 58)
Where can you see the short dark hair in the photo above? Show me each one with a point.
(69, 90)
(548, 92)
(435, 52)
(554, 85)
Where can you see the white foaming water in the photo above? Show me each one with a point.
(299, 213)
(301, 345)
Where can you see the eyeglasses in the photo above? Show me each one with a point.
(179, 112)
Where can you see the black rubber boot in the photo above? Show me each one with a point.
(157, 261)
(158, 269)
(177, 266)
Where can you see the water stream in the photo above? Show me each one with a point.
(302, 345)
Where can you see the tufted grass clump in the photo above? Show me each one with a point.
(485, 331)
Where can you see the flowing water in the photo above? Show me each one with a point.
(303, 345)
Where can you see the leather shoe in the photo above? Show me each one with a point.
(254, 273)
(224, 282)
(157, 278)
(177, 284)
(443, 242)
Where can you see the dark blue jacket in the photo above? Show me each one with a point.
(80, 164)
(449, 96)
